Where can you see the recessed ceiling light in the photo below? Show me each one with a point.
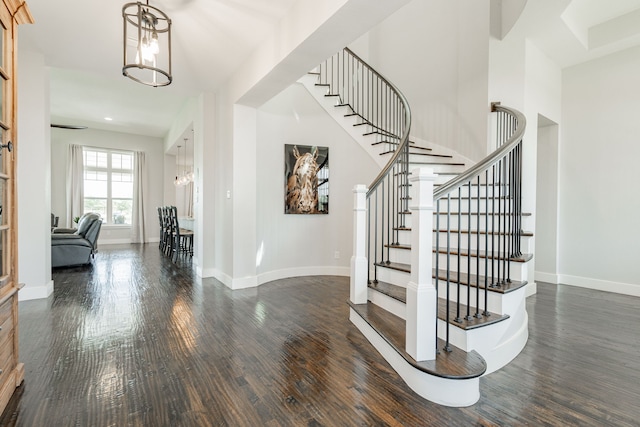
(108, 119)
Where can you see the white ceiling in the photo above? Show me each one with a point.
(82, 42)
(574, 31)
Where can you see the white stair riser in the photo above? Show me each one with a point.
(484, 190)
(517, 270)
(495, 300)
(478, 240)
(498, 303)
(471, 205)
(390, 304)
(464, 221)
(395, 277)
(429, 162)
(402, 256)
(404, 238)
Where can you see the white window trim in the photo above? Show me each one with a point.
(108, 221)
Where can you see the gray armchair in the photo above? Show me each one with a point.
(71, 246)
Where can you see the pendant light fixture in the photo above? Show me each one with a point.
(188, 175)
(177, 182)
(146, 44)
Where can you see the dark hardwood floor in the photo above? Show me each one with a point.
(138, 341)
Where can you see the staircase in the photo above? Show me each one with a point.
(439, 268)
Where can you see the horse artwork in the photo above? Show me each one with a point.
(306, 179)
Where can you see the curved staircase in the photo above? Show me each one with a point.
(439, 268)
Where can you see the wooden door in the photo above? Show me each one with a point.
(12, 13)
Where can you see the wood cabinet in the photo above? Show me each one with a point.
(12, 13)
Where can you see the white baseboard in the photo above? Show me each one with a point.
(541, 276)
(219, 275)
(531, 289)
(253, 281)
(35, 292)
(303, 271)
(113, 242)
(600, 285)
(244, 282)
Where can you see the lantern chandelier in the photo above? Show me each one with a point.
(146, 45)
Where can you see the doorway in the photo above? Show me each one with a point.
(546, 231)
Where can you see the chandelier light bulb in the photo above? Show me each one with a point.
(146, 44)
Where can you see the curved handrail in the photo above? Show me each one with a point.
(404, 139)
(492, 158)
(404, 142)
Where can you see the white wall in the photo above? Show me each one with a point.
(290, 245)
(547, 201)
(154, 150)
(437, 53)
(599, 174)
(524, 78)
(33, 151)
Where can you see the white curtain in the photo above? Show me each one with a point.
(75, 184)
(189, 200)
(139, 191)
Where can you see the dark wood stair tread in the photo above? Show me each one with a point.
(398, 246)
(482, 232)
(413, 153)
(462, 278)
(398, 266)
(400, 294)
(392, 291)
(482, 254)
(456, 364)
(476, 213)
(436, 163)
(467, 324)
(412, 146)
(479, 281)
(380, 132)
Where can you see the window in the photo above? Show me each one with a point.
(108, 184)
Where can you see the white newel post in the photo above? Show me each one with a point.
(358, 292)
(421, 293)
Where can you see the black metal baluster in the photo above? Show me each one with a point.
(477, 315)
(368, 234)
(469, 317)
(446, 345)
(486, 243)
(498, 231)
(437, 270)
(389, 214)
(375, 236)
(458, 258)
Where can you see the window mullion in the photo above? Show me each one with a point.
(109, 193)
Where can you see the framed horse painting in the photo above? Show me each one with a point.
(306, 179)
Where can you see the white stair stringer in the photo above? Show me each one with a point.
(392, 305)
(498, 343)
(328, 103)
(443, 391)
